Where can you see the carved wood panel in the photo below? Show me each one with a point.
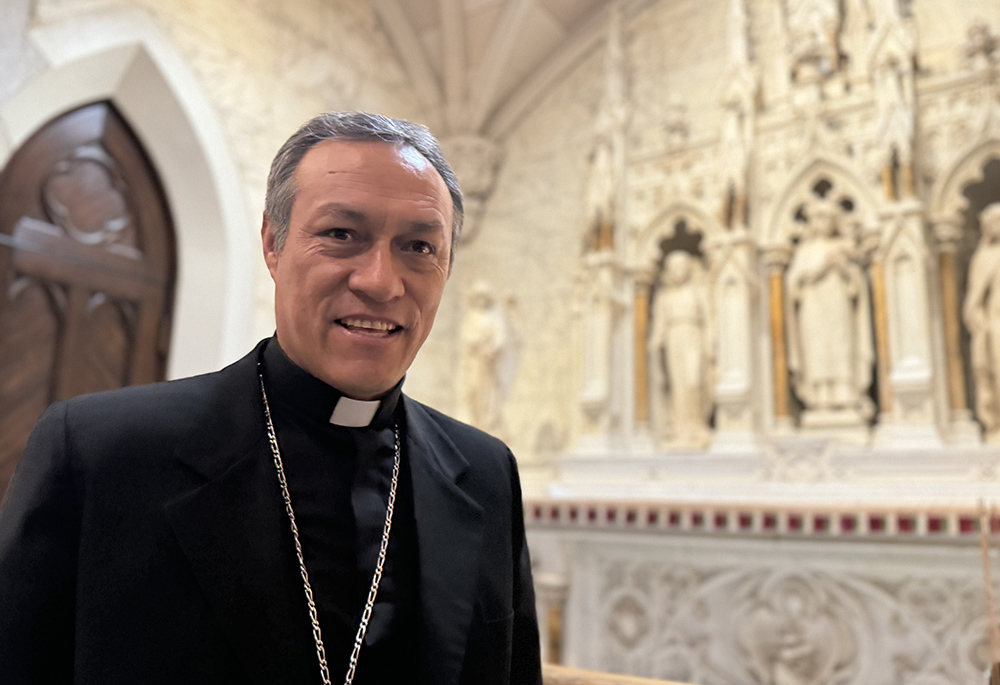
(87, 265)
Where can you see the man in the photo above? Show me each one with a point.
(256, 524)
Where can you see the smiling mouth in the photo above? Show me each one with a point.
(378, 329)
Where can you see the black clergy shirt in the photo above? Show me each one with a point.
(339, 480)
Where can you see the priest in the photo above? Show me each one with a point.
(294, 517)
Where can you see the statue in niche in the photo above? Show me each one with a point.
(600, 198)
(981, 47)
(737, 133)
(602, 301)
(682, 334)
(488, 359)
(981, 311)
(830, 350)
(813, 31)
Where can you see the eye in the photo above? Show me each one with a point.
(340, 234)
(422, 247)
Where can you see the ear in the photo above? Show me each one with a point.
(267, 241)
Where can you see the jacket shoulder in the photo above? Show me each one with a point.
(157, 417)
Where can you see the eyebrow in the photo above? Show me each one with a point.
(343, 212)
(356, 215)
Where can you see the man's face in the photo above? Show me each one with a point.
(360, 276)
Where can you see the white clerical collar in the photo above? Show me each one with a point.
(354, 413)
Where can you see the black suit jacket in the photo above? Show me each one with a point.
(143, 540)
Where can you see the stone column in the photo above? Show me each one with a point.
(776, 260)
(606, 236)
(947, 233)
(889, 184)
(643, 286)
(551, 592)
(876, 273)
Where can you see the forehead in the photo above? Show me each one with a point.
(372, 167)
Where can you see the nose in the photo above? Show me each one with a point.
(376, 274)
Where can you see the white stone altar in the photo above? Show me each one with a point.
(823, 528)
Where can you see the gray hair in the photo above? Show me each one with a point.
(357, 126)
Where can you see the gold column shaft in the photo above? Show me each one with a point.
(888, 184)
(555, 633)
(880, 312)
(779, 345)
(641, 354)
(606, 236)
(952, 331)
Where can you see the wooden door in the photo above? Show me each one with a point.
(86, 270)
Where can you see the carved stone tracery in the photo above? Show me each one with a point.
(85, 195)
(761, 621)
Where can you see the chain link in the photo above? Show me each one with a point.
(324, 669)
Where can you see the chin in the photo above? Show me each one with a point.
(365, 390)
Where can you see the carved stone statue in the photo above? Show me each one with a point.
(682, 333)
(600, 198)
(981, 311)
(981, 48)
(813, 33)
(736, 143)
(830, 351)
(795, 634)
(486, 344)
(602, 300)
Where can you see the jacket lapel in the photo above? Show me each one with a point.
(449, 536)
(233, 530)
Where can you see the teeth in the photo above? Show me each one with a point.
(369, 324)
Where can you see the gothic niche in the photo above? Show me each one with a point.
(831, 352)
(980, 250)
(681, 343)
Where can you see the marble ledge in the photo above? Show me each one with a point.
(798, 474)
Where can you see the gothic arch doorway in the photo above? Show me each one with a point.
(87, 265)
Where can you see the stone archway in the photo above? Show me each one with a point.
(954, 219)
(122, 57)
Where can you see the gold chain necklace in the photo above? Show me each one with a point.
(324, 669)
